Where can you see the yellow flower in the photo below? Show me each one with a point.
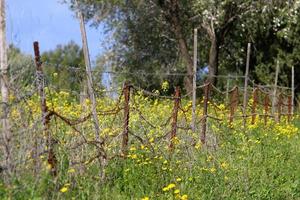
(184, 197)
(151, 140)
(165, 86)
(63, 189)
(198, 146)
(132, 148)
(209, 158)
(71, 170)
(212, 170)
(145, 198)
(134, 156)
(224, 165)
(178, 179)
(177, 191)
(169, 187)
(49, 166)
(225, 178)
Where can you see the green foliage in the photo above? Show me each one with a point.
(21, 68)
(144, 40)
(259, 162)
(64, 67)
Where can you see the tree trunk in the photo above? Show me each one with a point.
(213, 61)
(172, 11)
(188, 81)
(4, 91)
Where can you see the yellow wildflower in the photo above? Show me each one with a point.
(63, 189)
(49, 166)
(151, 140)
(212, 170)
(184, 197)
(177, 191)
(134, 156)
(71, 170)
(169, 187)
(132, 148)
(224, 165)
(145, 198)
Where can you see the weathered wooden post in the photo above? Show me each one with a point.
(234, 100)
(227, 87)
(174, 118)
(290, 106)
(126, 92)
(52, 161)
(255, 101)
(205, 111)
(246, 83)
(89, 75)
(275, 89)
(293, 89)
(279, 107)
(194, 79)
(266, 107)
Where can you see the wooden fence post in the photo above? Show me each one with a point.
(52, 161)
(266, 105)
(227, 86)
(275, 89)
(174, 116)
(290, 105)
(126, 92)
(255, 101)
(246, 83)
(89, 77)
(194, 79)
(205, 109)
(293, 89)
(234, 100)
(279, 107)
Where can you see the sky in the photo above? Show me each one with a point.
(49, 22)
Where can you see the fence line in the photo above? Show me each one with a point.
(127, 107)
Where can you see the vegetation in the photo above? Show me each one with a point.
(157, 36)
(259, 162)
(146, 148)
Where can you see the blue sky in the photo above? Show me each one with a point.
(49, 22)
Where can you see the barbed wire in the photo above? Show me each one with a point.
(81, 125)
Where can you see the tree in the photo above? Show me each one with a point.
(156, 36)
(144, 59)
(64, 67)
(21, 69)
(4, 81)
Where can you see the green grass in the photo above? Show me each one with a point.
(257, 164)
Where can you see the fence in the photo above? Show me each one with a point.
(38, 134)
